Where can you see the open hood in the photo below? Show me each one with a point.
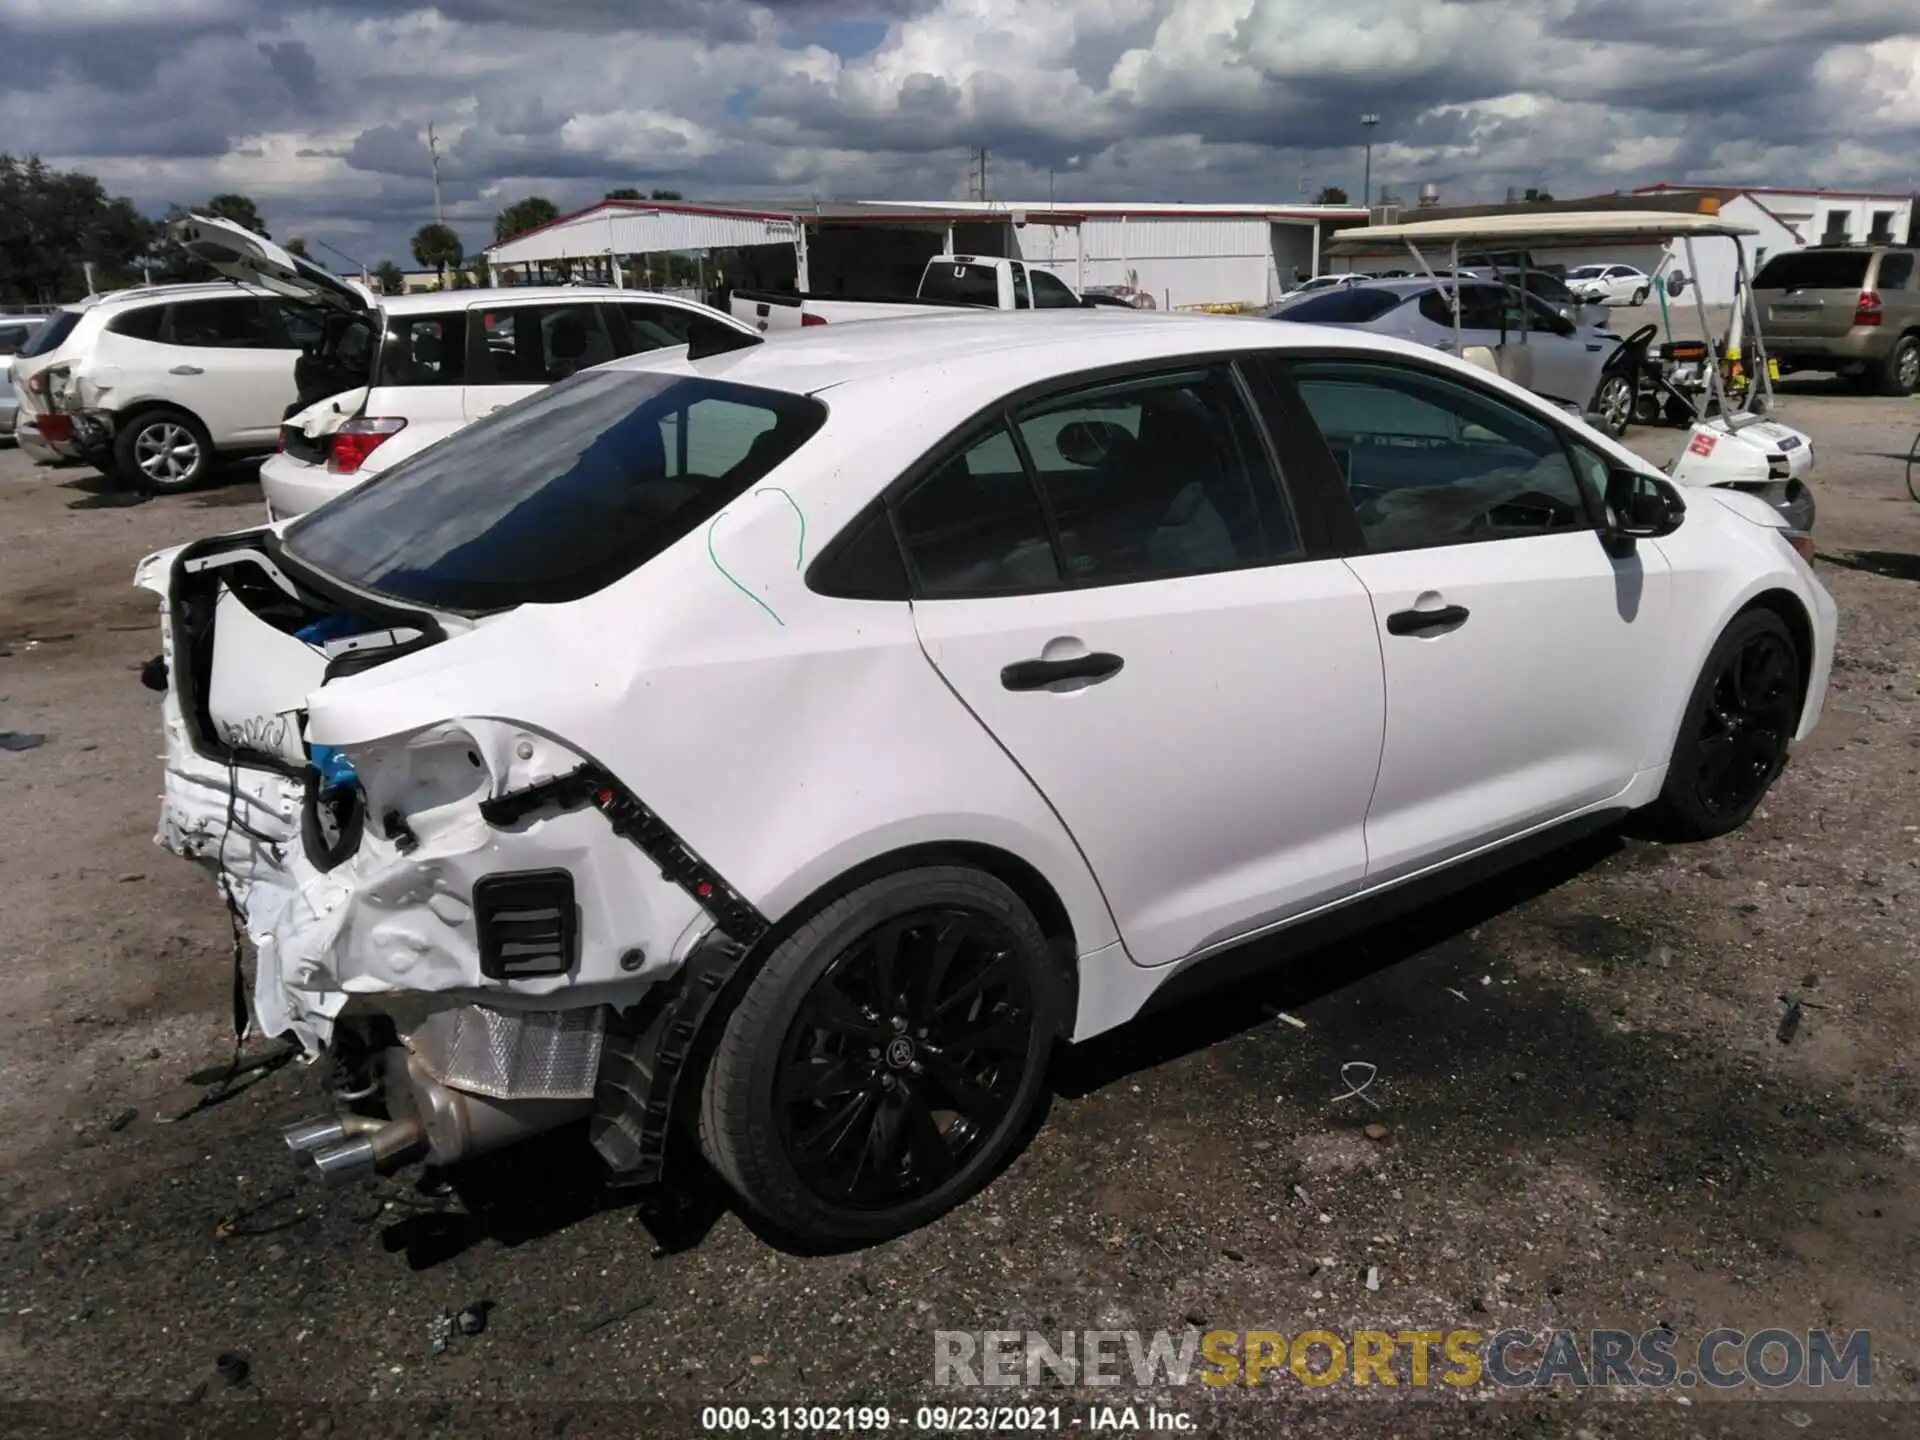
(239, 254)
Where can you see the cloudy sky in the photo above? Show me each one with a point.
(319, 111)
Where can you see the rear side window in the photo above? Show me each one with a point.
(1348, 305)
(238, 322)
(12, 337)
(538, 344)
(969, 284)
(1896, 270)
(1815, 270)
(141, 324)
(51, 335)
(424, 350)
(558, 496)
(653, 327)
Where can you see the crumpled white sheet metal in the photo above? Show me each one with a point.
(393, 923)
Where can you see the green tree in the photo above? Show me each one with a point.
(666, 195)
(524, 215)
(297, 246)
(625, 192)
(478, 271)
(1330, 195)
(241, 210)
(53, 223)
(437, 247)
(392, 279)
(1536, 194)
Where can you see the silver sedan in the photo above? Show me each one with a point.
(1534, 345)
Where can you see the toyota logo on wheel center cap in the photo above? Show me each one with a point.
(900, 1052)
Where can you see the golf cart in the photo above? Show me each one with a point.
(1738, 446)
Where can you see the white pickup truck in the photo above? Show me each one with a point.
(971, 282)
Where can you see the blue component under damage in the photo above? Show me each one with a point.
(335, 627)
(336, 771)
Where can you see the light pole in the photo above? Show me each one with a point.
(1367, 122)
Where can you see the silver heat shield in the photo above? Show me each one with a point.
(514, 1054)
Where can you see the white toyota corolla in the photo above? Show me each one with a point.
(793, 740)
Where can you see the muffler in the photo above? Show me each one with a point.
(431, 1122)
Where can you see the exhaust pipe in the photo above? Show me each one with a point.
(389, 1144)
(432, 1121)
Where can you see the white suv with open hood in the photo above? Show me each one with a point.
(444, 360)
(792, 740)
(155, 383)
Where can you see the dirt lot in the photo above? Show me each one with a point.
(1590, 1118)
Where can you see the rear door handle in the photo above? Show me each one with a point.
(1419, 622)
(186, 370)
(1038, 674)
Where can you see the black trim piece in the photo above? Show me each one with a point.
(733, 914)
(1313, 488)
(1238, 959)
(643, 1063)
(526, 923)
(1039, 674)
(1419, 622)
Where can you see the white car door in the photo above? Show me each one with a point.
(1521, 658)
(1196, 693)
(225, 360)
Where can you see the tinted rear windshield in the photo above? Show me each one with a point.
(556, 496)
(1815, 270)
(969, 284)
(50, 335)
(1352, 305)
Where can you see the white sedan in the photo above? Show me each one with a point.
(793, 740)
(1610, 284)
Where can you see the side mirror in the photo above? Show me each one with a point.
(1640, 507)
(1676, 284)
(1089, 442)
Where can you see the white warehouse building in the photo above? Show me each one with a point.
(1184, 257)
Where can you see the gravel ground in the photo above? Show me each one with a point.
(1589, 1118)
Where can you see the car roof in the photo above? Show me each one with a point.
(440, 300)
(990, 352)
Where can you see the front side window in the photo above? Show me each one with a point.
(424, 350)
(237, 322)
(1428, 461)
(1482, 307)
(1051, 293)
(557, 496)
(537, 344)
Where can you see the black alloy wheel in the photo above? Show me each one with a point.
(906, 1053)
(1739, 725)
(886, 1057)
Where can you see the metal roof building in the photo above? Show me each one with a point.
(1183, 256)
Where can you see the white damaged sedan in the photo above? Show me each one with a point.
(787, 743)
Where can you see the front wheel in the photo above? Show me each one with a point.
(886, 1059)
(163, 452)
(1734, 737)
(1640, 296)
(1614, 404)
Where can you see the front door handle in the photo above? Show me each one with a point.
(1038, 674)
(186, 370)
(1419, 622)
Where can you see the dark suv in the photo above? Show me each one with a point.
(1854, 309)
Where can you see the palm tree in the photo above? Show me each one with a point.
(437, 247)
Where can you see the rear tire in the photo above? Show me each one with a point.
(886, 1059)
(1738, 725)
(163, 452)
(1899, 373)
